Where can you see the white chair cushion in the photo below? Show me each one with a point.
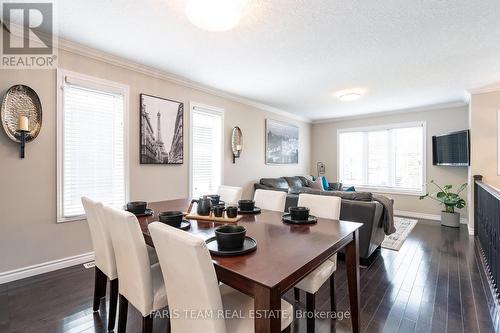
(316, 278)
(234, 300)
(230, 194)
(270, 200)
(159, 291)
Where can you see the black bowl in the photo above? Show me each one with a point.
(246, 205)
(172, 218)
(137, 207)
(299, 213)
(230, 237)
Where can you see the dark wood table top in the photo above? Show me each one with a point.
(283, 251)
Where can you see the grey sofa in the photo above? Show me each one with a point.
(356, 206)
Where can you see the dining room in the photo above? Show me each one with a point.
(194, 166)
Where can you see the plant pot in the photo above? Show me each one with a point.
(450, 219)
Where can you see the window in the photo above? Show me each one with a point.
(387, 158)
(206, 150)
(91, 143)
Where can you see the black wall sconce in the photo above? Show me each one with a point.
(21, 115)
(236, 143)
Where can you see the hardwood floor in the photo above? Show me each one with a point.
(433, 284)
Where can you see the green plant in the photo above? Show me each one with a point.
(445, 196)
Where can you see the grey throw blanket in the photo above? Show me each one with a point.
(387, 214)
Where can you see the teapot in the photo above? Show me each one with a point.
(203, 205)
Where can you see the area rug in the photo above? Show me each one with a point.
(403, 228)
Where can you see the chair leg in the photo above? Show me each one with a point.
(296, 293)
(113, 302)
(122, 315)
(99, 288)
(333, 304)
(147, 324)
(310, 305)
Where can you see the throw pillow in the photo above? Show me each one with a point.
(326, 186)
(315, 185)
(350, 189)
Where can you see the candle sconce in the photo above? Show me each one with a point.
(236, 143)
(21, 115)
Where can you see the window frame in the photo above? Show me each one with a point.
(213, 110)
(382, 189)
(98, 84)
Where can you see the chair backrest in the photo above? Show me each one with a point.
(230, 194)
(270, 200)
(324, 206)
(132, 260)
(191, 282)
(101, 238)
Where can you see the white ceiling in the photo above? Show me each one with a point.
(295, 54)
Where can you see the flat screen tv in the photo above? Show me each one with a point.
(452, 149)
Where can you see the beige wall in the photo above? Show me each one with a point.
(29, 232)
(324, 149)
(484, 131)
(484, 144)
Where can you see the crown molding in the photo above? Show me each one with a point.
(494, 87)
(86, 51)
(394, 112)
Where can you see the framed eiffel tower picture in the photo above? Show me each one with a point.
(162, 131)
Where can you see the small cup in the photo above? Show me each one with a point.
(137, 207)
(218, 211)
(215, 198)
(299, 213)
(230, 237)
(232, 212)
(172, 218)
(246, 205)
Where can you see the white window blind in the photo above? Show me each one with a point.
(91, 147)
(390, 158)
(206, 172)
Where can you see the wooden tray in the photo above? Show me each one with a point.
(212, 218)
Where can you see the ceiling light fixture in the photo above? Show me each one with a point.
(349, 95)
(215, 15)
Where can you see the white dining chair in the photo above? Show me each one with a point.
(105, 265)
(327, 207)
(270, 200)
(141, 283)
(230, 194)
(192, 285)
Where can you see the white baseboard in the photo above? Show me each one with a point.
(416, 215)
(24, 272)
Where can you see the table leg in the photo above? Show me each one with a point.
(267, 305)
(352, 267)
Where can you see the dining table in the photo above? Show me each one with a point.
(285, 254)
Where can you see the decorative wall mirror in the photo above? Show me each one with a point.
(236, 143)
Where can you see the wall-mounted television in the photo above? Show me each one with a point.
(451, 149)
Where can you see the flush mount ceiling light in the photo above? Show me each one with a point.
(349, 95)
(215, 15)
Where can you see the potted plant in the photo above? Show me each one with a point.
(450, 200)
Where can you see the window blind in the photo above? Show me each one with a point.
(93, 148)
(206, 127)
(389, 158)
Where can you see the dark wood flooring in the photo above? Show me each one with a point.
(433, 284)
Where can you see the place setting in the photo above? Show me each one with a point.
(231, 240)
(247, 207)
(139, 208)
(299, 215)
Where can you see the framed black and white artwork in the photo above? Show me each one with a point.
(162, 131)
(282, 143)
